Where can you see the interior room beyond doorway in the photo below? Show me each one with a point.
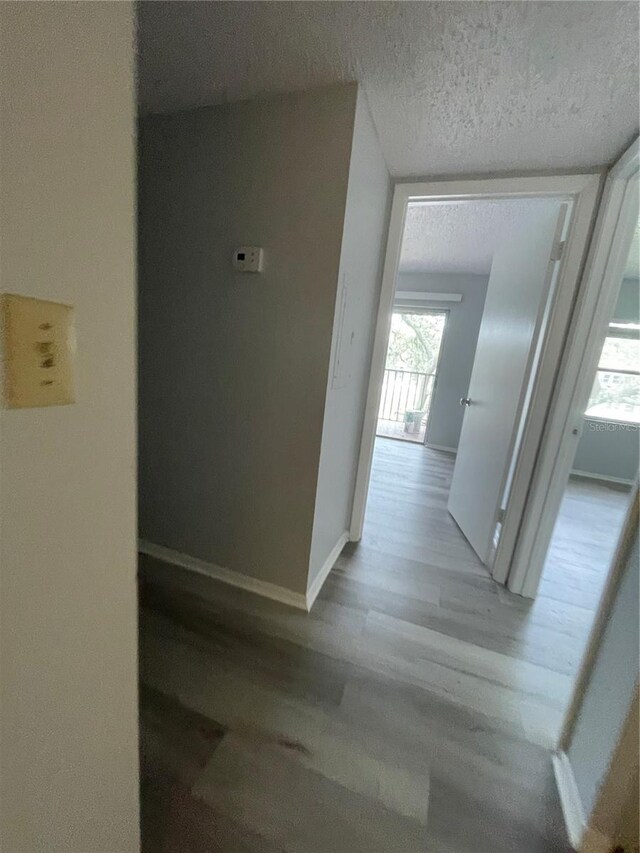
(459, 258)
(607, 455)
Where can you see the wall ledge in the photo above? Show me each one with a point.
(442, 447)
(583, 838)
(602, 478)
(228, 576)
(570, 801)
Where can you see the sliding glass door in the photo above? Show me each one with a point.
(410, 375)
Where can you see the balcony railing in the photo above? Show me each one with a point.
(405, 391)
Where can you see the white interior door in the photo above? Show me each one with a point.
(521, 272)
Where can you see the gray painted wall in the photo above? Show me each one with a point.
(611, 449)
(608, 450)
(234, 367)
(69, 746)
(610, 689)
(459, 345)
(627, 308)
(363, 244)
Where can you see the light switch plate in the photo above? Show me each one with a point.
(248, 259)
(39, 349)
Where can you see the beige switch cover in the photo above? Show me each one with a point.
(39, 348)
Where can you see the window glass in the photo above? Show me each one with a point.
(620, 353)
(615, 395)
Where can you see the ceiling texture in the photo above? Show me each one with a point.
(454, 87)
(462, 237)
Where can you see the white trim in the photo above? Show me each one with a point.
(323, 574)
(422, 296)
(604, 478)
(473, 189)
(228, 576)
(583, 838)
(582, 189)
(572, 809)
(446, 449)
(596, 298)
(600, 420)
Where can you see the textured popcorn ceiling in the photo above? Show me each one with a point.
(462, 237)
(453, 87)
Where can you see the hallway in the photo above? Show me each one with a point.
(412, 710)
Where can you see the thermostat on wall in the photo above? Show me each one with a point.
(248, 259)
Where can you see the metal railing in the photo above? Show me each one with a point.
(405, 391)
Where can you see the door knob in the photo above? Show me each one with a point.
(465, 401)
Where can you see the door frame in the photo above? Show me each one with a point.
(583, 190)
(598, 292)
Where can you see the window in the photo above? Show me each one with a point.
(615, 395)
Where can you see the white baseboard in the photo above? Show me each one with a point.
(320, 578)
(228, 576)
(588, 475)
(446, 449)
(570, 801)
(583, 838)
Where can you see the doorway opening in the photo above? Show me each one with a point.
(599, 486)
(411, 373)
(496, 263)
(441, 508)
(600, 491)
(517, 243)
(598, 457)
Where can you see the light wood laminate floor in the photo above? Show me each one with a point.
(412, 710)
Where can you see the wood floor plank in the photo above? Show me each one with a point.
(301, 810)
(424, 643)
(411, 711)
(175, 741)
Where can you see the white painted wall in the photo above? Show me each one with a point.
(610, 689)
(458, 349)
(234, 367)
(68, 747)
(363, 241)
